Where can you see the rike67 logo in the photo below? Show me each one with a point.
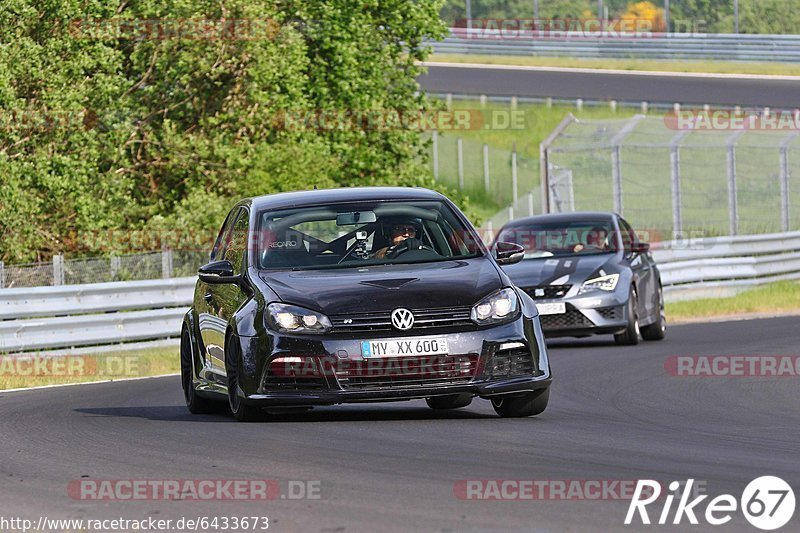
(767, 503)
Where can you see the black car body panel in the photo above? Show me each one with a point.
(303, 369)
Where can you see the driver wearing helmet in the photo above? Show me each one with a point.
(398, 232)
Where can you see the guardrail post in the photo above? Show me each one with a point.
(486, 183)
(435, 149)
(460, 156)
(530, 203)
(166, 263)
(510, 213)
(2, 275)
(733, 200)
(58, 270)
(514, 180)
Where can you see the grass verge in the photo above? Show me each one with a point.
(37, 370)
(654, 65)
(781, 297)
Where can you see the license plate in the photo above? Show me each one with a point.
(558, 308)
(403, 347)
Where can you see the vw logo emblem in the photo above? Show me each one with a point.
(402, 319)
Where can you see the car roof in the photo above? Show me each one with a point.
(285, 200)
(561, 217)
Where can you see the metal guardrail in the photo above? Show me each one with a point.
(736, 47)
(725, 266)
(68, 316)
(44, 318)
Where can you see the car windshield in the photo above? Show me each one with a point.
(581, 237)
(353, 235)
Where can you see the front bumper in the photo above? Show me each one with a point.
(587, 314)
(482, 361)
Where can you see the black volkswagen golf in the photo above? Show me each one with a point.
(364, 294)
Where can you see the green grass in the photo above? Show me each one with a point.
(719, 67)
(781, 297)
(22, 371)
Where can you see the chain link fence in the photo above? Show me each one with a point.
(711, 183)
(61, 271)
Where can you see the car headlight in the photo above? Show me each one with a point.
(499, 306)
(294, 319)
(603, 283)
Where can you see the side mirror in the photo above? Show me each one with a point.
(508, 253)
(217, 272)
(640, 247)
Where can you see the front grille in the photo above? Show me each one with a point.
(611, 313)
(571, 319)
(407, 372)
(285, 383)
(424, 319)
(509, 364)
(547, 291)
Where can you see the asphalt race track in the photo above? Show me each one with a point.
(597, 85)
(614, 415)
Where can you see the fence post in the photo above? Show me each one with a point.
(733, 200)
(435, 155)
(616, 177)
(2, 275)
(460, 154)
(785, 175)
(616, 161)
(166, 263)
(510, 213)
(486, 167)
(489, 235)
(530, 203)
(675, 172)
(115, 266)
(514, 181)
(544, 160)
(58, 270)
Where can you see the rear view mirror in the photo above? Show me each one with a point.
(508, 253)
(640, 247)
(356, 217)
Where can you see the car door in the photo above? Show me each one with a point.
(642, 265)
(212, 326)
(229, 297)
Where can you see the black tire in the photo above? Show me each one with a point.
(240, 410)
(451, 401)
(630, 337)
(658, 329)
(196, 404)
(521, 405)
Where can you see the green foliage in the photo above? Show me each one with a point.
(134, 133)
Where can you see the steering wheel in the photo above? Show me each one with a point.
(408, 245)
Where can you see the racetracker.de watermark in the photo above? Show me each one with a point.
(733, 120)
(193, 489)
(625, 28)
(737, 366)
(544, 489)
(161, 29)
(398, 119)
(35, 365)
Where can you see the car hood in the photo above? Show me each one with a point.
(568, 270)
(384, 287)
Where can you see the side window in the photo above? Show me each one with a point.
(224, 236)
(628, 235)
(236, 251)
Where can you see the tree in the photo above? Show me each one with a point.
(127, 127)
